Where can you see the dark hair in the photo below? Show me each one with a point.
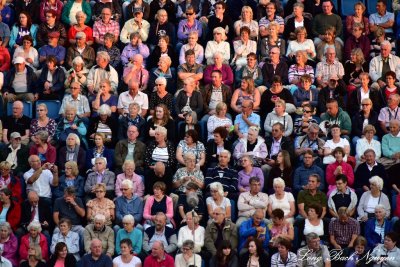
(217, 71)
(260, 249)
(284, 242)
(59, 247)
(220, 254)
(317, 207)
(193, 134)
(277, 79)
(245, 29)
(254, 179)
(309, 152)
(221, 130)
(189, 52)
(52, 12)
(126, 241)
(342, 177)
(316, 176)
(51, 58)
(382, 1)
(391, 73)
(65, 220)
(28, 20)
(28, 38)
(253, 55)
(278, 213)
(331, 100)
(338, 149)
(393, 235)
(160, 185)
(70, 190)
(221, 3)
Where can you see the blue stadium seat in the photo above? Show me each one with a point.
(347, 7)
(53, 107)
(27, 109)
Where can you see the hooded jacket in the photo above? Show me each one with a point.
(273, 118)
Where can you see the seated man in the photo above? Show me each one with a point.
(52, 48)
(133, 95)
(276, 66)
(303, 172)
(246, 119)
(16, 154)
(128, 203)
(335, 89)
(20, 82)
(105, 25)
(135, 24)
(391, 144)
(100, 175)
(99, 230)
(336, 115)
(251, 70)
(96, 257)
(76, 99)
(328, 67)
(270, 16)
(310, 142)
(82, 49)
(311, 195)
(219, 229)
(225, 175)
(324, 20)
(190, 69)
(344, 230)
(51, 25)
(136, 71)
(382, 18)
(130, 148)
(314, 253)
(342, 196)
(255, 227)
(389, 112)
(160, 232)
(158, 256)
(250, 201)
(102, 70)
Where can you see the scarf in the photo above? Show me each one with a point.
(74, 151)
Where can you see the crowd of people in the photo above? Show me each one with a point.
(199, 133)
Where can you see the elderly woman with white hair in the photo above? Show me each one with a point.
(253, 145)
(377, 227)
(282, 200)
(160, 150)
(99, 230)
(192, 44)
(218, 45)
(78, 20)
(36, 238)
(72, 151)
(165, 70)
(188, 257)
(218, 199)
(131, 232)
(106, 124)
(71, 123)
(371, 198)
(160, 95)
(78, 73)
(188, 174)
(8, 243)
(128, 169)
(248, 172)
(219, 119)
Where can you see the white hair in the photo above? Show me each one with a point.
(128, 218)
(218, 187)
(279, 181)
(376, 180)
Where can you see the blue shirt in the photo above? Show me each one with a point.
(88, 261)
(243, 127)
(378, 19)
(136, 236)
(58, 52)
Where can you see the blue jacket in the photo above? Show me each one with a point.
(58, 81)
(107, 153)
(79, 184)
(30, 80)
(123, 207)
(372, 237)
(14, 35)
(246, 230)
(302, 173)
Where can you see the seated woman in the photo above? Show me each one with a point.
(128, 169)
(279, 228)
(358, 17)
(136, 46)
(301, 43)
(380, 36)
(224, 68)
(50, 85)
(302, 122)
(71, 10)
(247, 91)
(191, 144)
(158, 202)
(218, 45)
(46, 5)
(34, 257)
(33, 237)
(71, 123)
(161, 117)
(61, 254)
(354, 76)
(248, 172)
(81, 19)
(78, 73)
(187, 25)
(246, 20)
(251, 69)
(192, 44)
(110, 47)
(23, 27)
(126, 257)
(282, 168)
(100, 205)
(296, 20)
(188, 99)
(42, 123)
(219, 119)
(255, 253)
(190, 123)
(188, 174)
(42, 148)
(371, 198)
(165, 70)
(9, 243)
(188, 255)
(284, 254)
(192, 231)
(65, 234)
(330, 41)
(279, 114)
(333, 143)
(164, 48)
(184, 207)
(104, 124)
(99, 151)
(217, 144)
(218, 199)
(225, 256)
(104, 97)
(27, 51)
(376, 228)
(243, 47)
(160, 96)
(130, 232)
(367, 142)
(302, 89)
(282, 200)
(70, 177)
(253, 145)
(9, 180)
(72, 151)
(272, 40)
(134, 117)
(338, 167)
(357, 40)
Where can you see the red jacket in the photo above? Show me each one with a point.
(24, 246)
(13, 216)
(50, 154)
(15, 186)
(346, 169)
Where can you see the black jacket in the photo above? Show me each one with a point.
(286, 144)
(70, 261)
(22, 158)
(338, 93)
(355, 101)
(358, 120)
(30, 80)
(244, 260)
(44, 215)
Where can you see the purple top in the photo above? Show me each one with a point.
(227, 74)
(245, 177)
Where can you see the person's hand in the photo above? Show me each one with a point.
(47, 85)
(74, 127)
(364, 218)
(45, 223)
(259, 229)
(203, 19)
(29, 60)
(152, 132)
(181, 116)
(381, 83)
(186, 178)
(305, 187)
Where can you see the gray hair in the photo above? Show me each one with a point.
(313, 126)
(42, 135)
(70, 107)
(104, 55)
(34, 225)
(380, 207)
(376, 180)
(81, 13)
(279, 181)
(217, 186)
(128, 218)
(104, 110)
(225, 151)
(6, 225)
(103, 159)
(127, 183)
(78, 60)
(128, 162)
(188, 243)
(100, 218)
(76, 137)
(167, 60)
(134, 104)
(255, 129)
(386, 43)
(161, 80)
(42, 105)
(311, 236)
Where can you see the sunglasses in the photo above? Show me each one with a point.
(189, 14)
(307, 111)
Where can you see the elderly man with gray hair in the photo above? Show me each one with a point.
(102, 70)
(310, 142)
(98, 230)
(314, 253)
(391, 144)
(133, 95)
(135, 70)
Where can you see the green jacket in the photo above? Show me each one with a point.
(342, 119)
(67, 8)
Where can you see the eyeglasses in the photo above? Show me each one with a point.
(124, 189)
(189, 14)
(40, 110)
(185, 249)
(159, 84)
(365, 104)
(307, 111)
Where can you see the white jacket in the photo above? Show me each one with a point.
(375, 66)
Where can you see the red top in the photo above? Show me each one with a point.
(150, 261)
(88, 31)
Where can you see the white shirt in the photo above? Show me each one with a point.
(118, 262)
(41, 185)
(185, 233)
(125, 99)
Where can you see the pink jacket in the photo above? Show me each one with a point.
(149, 204)
(138, 186)
(330, 177)
(24, 247)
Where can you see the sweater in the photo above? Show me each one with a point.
(136, 236)
(390, 145)
(273, 118)
(362, 205)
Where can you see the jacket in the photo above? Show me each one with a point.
(44, 215)
(171, 163)
(112, 123)
(121, 150)
(24, 247)
(107, 153)
(354, 103)
(362, 204)
(96, 75)
(131, 26)
(108, 178)
(30, 81)
(57, 83)
(62, 159)
(376, 65)
(14, 34)
(273, 118)
(124, 207)
(268, 72)
(302, 173)
(229, 232)
(262, 260)
(63, 128)
(342, 119)
(207, 92)
(49, 156)
(88, 55)
(13, 216)
(42, 38)
(67, 10)
(106, 235)
(149, 203)
(286, 144)
(246, 230)
(169, 234)
(339, 92)
(259, 151)
(372, 237)
(79, 184)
